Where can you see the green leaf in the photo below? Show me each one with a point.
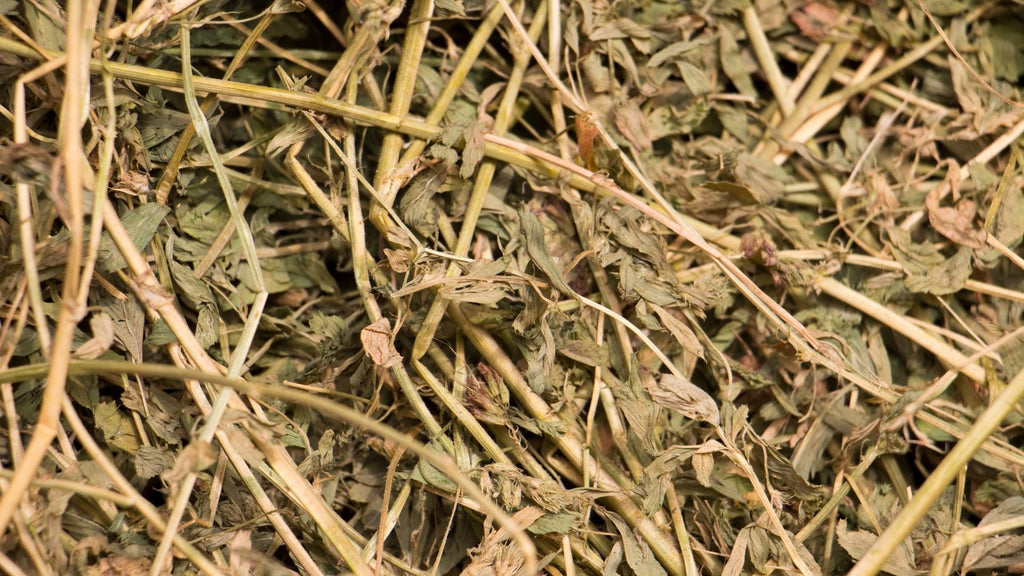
(858, 542)
(946, 278)
(946, 7)
(141, 224)
(733, 65)
(535, 239)
(117, 428)
(694, 78)
(151, 461)
(560, 523)
(638, 554)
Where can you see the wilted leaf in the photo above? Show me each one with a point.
(946, 278)
(858, 542)
(685, 398)
(378, 345)
(116, 426)
(102, 337)
(638, 554)
(194, 458)
(1001, 551)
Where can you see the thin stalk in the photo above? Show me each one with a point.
(766, 57)
(481, 185)
(910, 517)
(170, 173)
(570, 444)
(320, 404)
(898, 65)
(131, 497)
(389, 188)
(23, 190)
(241, 352)
(404, 87)
(153, 295)
(948, 355)
(80, 27)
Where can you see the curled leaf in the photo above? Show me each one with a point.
(376, 339)
(685, 398)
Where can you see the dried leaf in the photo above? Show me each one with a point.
(378, 344)
(946, 278)
(116, 426)
(680, 331)
(151, 461)
(695, 79)
(141, 224)
(560, 523)
(815, 20)
(685, 398)
(296, 131)
(535, 239)
(632, 124)
(477, 292)
(638, 554)
(454, 7)
(586, 352)
(858, 542)
(473, 151)
(194, 458)
(1001, 551)
(955, 223)
(732, 63)
(102, 327)
(129, 325)
(738, 554)
(703, 466)
(586, 134)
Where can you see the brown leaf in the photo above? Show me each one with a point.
(955, 223)
(196, 457)
(703, 466)
(631, 123)
(815, 20)
(376, 339)
(102, 337)
(586, 132)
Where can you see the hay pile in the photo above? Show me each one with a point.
(465, 287)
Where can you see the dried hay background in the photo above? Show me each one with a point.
(464, 287)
